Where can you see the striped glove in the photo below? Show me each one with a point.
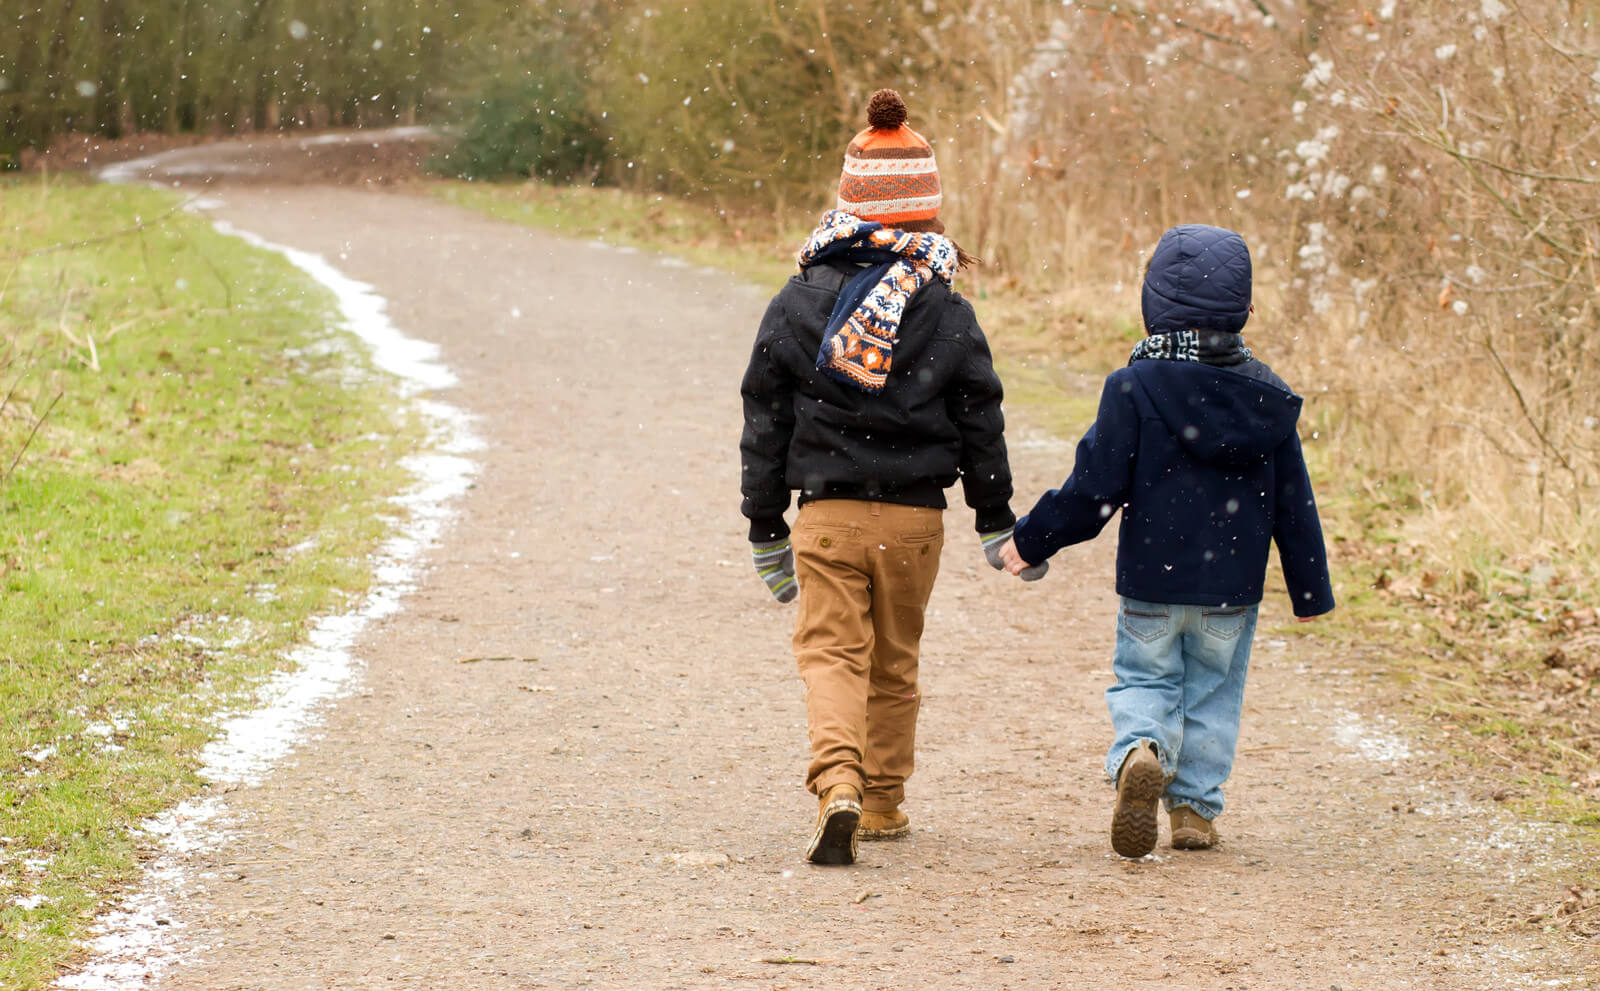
(992, 542)
(775, 565)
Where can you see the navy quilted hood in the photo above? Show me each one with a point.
(1198, 279)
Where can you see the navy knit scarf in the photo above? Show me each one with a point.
(1208, 347)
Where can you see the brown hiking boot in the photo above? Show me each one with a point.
(1139, 784)
(889, 825)
(1191, 830)
(838, 814)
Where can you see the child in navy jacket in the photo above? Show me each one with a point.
(1195, 443)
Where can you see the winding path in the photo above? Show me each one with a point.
(609, 796)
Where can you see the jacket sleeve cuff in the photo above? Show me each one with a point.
(1028, 543)
(993, 518)
(765, 531)
(1313, 603)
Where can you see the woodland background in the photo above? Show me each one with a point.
(1416, 178)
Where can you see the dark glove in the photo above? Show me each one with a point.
(775, 566)
(992, 542)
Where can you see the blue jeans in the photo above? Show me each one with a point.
(1180, 684)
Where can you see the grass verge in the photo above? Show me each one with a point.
(1497, 646)
(749, 246)
(200, 468)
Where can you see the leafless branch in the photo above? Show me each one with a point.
(101, 239)
(31, 434)
(1522, 404)
(1224, 39)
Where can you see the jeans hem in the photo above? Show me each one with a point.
(1114, 769)
(1174, 804)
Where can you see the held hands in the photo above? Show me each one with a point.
(775, 566)
(1002, 553)
(1013, 563)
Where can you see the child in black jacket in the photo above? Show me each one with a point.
(870, 390)
(1195, 443)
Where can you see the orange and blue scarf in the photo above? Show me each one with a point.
(858, 341)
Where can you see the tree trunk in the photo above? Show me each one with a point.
(180, 114)
(109, 102)
(52, 115)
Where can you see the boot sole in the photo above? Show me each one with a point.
(1190, 839)
(892, 833)
(834, 843)
(1133, 824)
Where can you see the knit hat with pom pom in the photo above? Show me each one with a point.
(889, 173)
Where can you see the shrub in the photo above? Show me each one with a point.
(532, 122)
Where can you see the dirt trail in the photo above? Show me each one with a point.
(620, 805)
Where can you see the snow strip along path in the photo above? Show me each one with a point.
(142, 937)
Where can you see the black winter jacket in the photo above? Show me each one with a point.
(938, 417)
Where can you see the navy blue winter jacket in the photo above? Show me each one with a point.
(1203, 461)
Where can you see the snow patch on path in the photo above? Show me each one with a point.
(1371, 738)
(133, 944)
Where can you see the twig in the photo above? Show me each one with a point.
(15, 264)
(1522, 403)
(1542, 176)
(1209, 34)
(1476, 706)
(1493, 441)
(1534, 230)
(1569, 54)
(27, 360)
(1586, 758)
(149, 273)
(205, 256)
(31, 434)
(86, 242)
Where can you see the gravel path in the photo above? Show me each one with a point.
(609, 795)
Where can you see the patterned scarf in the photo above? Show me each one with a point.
(858, 341)
(1208, 347)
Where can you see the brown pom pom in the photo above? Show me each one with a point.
(885, 111)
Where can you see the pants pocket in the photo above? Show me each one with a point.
(813, 536)
(1145, 624)
(922, 544)
(1224, 624)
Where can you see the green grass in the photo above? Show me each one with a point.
(209, 474)
(1051, 403)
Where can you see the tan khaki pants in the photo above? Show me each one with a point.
(866, 570)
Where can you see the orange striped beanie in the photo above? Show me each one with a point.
(889, 172)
